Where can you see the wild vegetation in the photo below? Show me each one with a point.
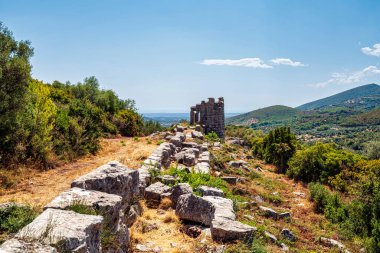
(41, 123)
(343, 185)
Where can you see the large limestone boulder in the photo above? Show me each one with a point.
(176, 191)
(108, 205)
(20, 246)
(204, 157)
(113, 178)
(193, 208)
(73, 232)
(153, 193)
(224, 208)
(144, 179)
(189, 159)
(210, 191)
(226, 230)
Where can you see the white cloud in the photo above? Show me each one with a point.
(287, 61)
(349, 78)
(375, 51)
(245, 62)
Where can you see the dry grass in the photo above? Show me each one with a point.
(38, 187)
(165, 204)
(168, 232)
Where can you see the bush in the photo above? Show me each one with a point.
(212, 137)
(319, 162)
(15, 217)
(319, 195)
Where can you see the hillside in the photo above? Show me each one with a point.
(270, 113)
(367, 118)
(363, 97)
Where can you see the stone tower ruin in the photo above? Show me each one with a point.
(210, 115)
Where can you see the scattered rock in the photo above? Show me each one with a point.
(180, 128)
(216, 144)
(153, 193)
(73, 231)
(210, 191)
(194, 151)
(149, 227)
(197, 135)
(193, 208)
(190, 145)
(284, 247)
(269, 212)
(20, 246)
(192, 231)
(288, 235)
(230, 180)
(270, 236)
(285, 215)
(204, 147)
(334, 243)
(228, 230)
(198, 128)
(189, 159)
(249, 217)
(258, 199)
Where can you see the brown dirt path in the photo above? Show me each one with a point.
(39, 187)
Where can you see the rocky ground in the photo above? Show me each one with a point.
(186, 195)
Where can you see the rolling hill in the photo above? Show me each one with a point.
(362, 97)
(270, 113)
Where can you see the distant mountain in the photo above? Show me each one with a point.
(270, 113)
(363, 97)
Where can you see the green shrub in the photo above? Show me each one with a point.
(319, 195)
(82, 208)
(15, 217)
(212, 137)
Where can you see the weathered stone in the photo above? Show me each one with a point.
(202, 167)
(203, 147)
(284, 247)
(190, 145)
(189, 159)
(230, 180)
(180, 128)
(132, 214)
(288, 235)
(175, 140)
(229, 230)
(192, 231)
(210, 191)
(193, 208)
(198, 128)
(224, 208)
(153, 193)
(284, 215)
(194, 151)
(108, 205)
(74, 232)
(237, 164)
(20, 246)
(334, 243)
(113, 178)
(176, 191)
(269, 212)
(270, 236)
(216, 144)
(197, 135)
(144, 179)
(167, 179)
(204, 157)
(178, 157)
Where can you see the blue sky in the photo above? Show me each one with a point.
(169, 55)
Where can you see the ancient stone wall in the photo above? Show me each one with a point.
(210, 115)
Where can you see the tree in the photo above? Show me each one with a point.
(15, 71)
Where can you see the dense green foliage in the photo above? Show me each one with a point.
(41, 122)
(277, 147)
(249, 135)
(320, 162)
